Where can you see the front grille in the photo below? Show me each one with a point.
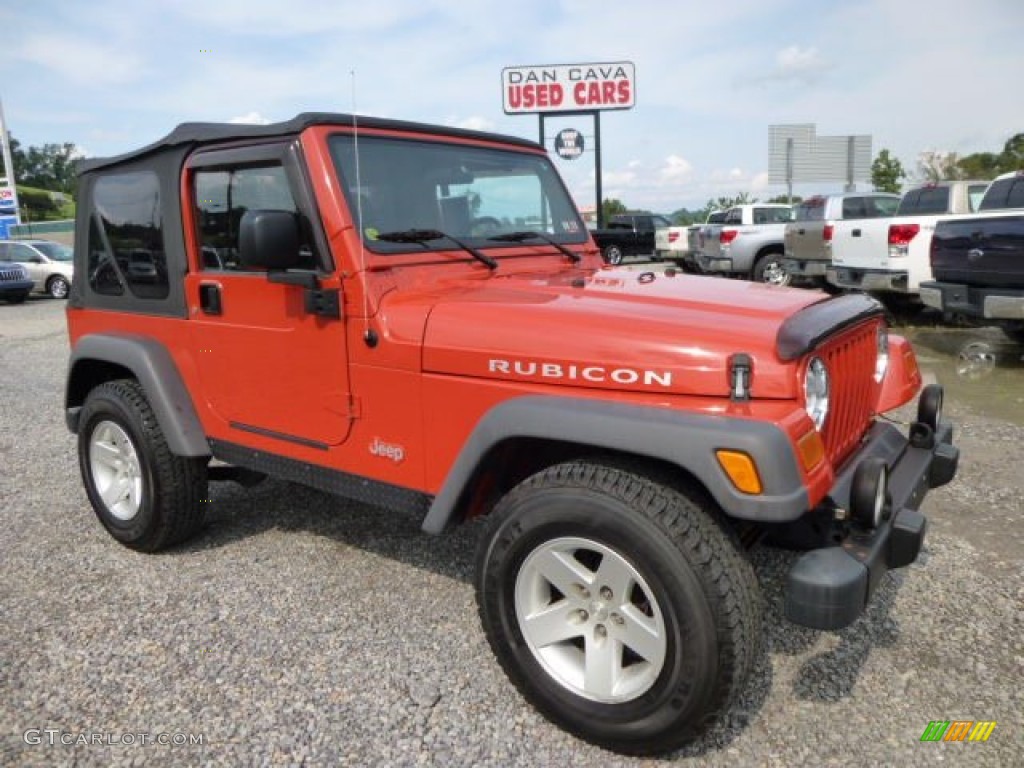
(12, 274)
(850, 358)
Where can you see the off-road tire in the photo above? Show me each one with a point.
(173, 488)
(613, 255)
(700, 582)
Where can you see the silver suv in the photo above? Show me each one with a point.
(48, 263)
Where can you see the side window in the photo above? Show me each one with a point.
(853, 208)
(996, 196)
(733, 216)
(1016, 197)
(880, 207)
(21, 253)
(223, 195)
(126, 244)
(974, 194)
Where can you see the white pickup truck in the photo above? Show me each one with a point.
(681, 244)
(827, 228)
(901, 265)
(747, 243)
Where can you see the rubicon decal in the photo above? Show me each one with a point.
(596, 374)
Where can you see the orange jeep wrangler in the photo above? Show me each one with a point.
(415, 317)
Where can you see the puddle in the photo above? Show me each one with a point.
(979, 367)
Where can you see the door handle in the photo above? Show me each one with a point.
(209, 298)
(801, 231)
(856, 233)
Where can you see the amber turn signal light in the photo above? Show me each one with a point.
(741, 470)
(812, 449)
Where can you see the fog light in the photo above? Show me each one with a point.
(929, 406)
(869, 492)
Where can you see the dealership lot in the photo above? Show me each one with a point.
(302, 627)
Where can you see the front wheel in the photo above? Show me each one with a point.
(145, 496)
(58, 287)
(613, 255)
(617, 605)
(769, 269)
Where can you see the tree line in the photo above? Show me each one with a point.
(46, 179)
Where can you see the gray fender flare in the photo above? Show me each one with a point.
(685, 439)
(150, 363)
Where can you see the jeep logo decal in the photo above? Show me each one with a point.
(387, 450)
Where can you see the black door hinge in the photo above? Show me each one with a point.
(323, 302)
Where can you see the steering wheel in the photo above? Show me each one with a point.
(485, 226)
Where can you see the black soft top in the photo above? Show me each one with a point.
(202, 133)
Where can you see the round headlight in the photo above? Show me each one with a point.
(816, 391)
(882, 360)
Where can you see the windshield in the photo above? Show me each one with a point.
(466, 192)
(54, 251)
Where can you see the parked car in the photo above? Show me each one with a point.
(978, 261)
(628, 234)
(900, 267)
(15, 284)
(748, 243)
(48, 263)
(681, 244)
(827, 224)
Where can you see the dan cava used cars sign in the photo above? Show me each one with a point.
(569, 87)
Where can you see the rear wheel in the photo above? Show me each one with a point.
(613, 255)
(617, 605)
(145, 496)
(768, 269)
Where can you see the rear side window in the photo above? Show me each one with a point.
(733, 216)
(126, 243)
(925, 201)
(854, 208)
(223, 195)
(772, 215)
(975, 193)
(880, 207)
(1004, 193)
(811, 210)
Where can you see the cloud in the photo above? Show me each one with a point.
(796, 65)
(676, 170)
(251, 118)
(78, 61)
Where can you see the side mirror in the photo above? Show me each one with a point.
(269, 239)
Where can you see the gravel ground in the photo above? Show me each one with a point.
(303, 629)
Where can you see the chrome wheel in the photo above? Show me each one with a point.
(114, 465)
(58, 288)
(774, 273)
(613, 255)
(590, 619)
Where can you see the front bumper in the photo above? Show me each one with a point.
(829, 588)
(868, 279)
(15, 287)
(987, 303)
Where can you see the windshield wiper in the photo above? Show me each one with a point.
(423, 236)
(518, 237)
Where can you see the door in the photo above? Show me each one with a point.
(271, 364)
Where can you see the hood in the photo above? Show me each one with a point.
(614, 329)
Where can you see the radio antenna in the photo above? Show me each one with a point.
(369, 336)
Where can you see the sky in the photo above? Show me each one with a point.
(917, 75)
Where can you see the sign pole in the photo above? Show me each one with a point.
(597, 167)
